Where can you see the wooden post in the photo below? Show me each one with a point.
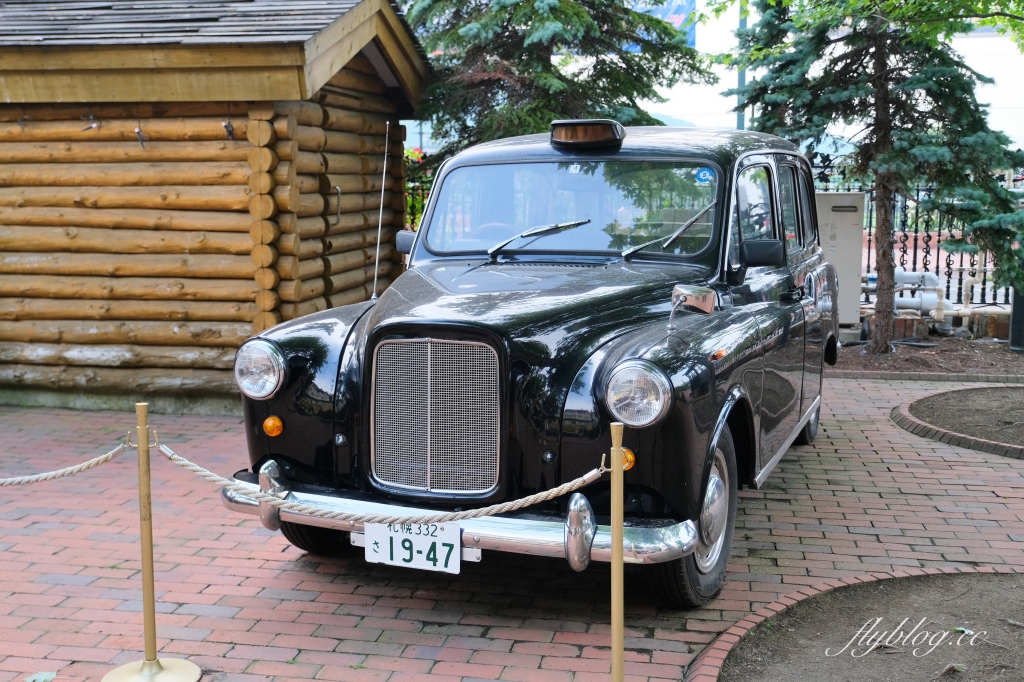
(618, 603)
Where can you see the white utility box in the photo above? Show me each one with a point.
(841, 231)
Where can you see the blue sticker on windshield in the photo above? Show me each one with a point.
(705, 175)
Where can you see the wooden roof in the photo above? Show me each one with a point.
(73, 22)
(196, 50)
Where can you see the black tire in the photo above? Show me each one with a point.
(810, 429)
(315, 540)
(680, 582)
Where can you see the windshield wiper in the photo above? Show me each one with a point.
(543, 229)
(628, 253)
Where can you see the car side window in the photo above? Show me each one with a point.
(807, 211)
(754, 204)
(787, 197)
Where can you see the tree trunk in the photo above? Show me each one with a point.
(134, 332)
(136, 218)
(184, 197)
(211, 266)
(143, 380)
(885, 267)
(120, 241)
(126, 152)
(885, 185)
(116, 355)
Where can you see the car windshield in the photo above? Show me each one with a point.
(627, 204)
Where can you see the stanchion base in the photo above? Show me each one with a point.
(160, 670)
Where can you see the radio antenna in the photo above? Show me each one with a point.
(380, 215)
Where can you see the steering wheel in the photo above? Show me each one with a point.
(757, 215)
(493, 231)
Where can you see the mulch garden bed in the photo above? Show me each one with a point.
(949, 355)
(995, 414)
(949, 628)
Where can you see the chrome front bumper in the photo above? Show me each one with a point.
(573, 540)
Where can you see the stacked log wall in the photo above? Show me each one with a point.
(323, 165)
(140, 245)
(124, 248)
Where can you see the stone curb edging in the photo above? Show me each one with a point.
(924, 376)
(902, 417)
(708, 664)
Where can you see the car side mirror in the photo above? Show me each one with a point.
(762, 253)
(698, 299)
(404, 240)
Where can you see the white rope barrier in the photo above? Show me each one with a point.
(321, 513)
(67, 471)
(314, 510)
(186, 671)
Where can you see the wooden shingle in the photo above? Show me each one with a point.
(196, 50)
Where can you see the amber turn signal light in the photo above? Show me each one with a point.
(628, 459)
(273, 426)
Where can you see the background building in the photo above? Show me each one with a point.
(175, 178)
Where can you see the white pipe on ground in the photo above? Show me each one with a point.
(930, 301)
(965, 312)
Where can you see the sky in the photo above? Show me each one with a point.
(987, 52)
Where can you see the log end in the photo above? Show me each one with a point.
(266, 320)
(264, 232)
(263, 255)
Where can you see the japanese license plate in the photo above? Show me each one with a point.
(430, 546)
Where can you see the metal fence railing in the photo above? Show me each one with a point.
(918, 237)
(416, 202)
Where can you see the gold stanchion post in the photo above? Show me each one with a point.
(152, 668)
(618, 601)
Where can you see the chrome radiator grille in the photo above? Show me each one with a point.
(435, 415)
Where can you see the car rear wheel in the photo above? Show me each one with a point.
(316, 540)
(696, 579)
(810, 429)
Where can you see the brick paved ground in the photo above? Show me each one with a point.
(244, 605)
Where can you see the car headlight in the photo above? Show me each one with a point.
(259, 369)
(638, 393)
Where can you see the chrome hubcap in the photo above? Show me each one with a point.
(714, 516)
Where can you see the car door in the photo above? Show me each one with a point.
(810, 269)
(804, 263)
(769, 293)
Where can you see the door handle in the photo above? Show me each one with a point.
(793, 295)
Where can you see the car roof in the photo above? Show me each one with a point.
(722, 147)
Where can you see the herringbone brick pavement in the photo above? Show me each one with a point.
(245, 605)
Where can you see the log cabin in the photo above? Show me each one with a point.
(177, 176)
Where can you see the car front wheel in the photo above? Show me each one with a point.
(696, 579)
(316, 540)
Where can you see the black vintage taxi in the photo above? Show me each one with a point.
(667, 278)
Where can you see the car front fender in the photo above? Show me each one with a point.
(312, 347)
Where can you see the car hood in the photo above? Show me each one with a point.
(549, 317)
(553, 304)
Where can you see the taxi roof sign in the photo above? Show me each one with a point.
(587, 133)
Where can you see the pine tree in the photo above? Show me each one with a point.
(510, 67)
(887, 70)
